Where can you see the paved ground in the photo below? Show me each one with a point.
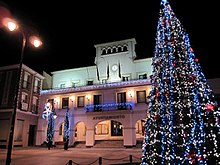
(79, 156)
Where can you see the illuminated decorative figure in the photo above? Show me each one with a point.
(66, 130)
(183, 123)
(49, 115)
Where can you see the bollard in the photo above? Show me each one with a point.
(130, 158)
(100, 160)
(70, 162)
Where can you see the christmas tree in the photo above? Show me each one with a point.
(66, 130)
(182, 126)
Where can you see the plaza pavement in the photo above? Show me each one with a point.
(79, 156)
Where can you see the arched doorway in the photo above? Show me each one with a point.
(140, 129)
(80, 132)
(139, 126)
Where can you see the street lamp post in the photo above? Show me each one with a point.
(11, 133)
(11, 25)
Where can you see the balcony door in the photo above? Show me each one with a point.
(97, 99)
(121, 100)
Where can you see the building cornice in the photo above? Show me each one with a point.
(131, 83)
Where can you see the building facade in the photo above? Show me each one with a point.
(26, 119)
(107, 101)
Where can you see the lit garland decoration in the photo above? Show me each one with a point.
(183, 122)
(109, 106)
(96, 86)
(66, 127)
(50, 130)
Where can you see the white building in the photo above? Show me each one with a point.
(107, 101)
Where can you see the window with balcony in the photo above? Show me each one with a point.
(37, 85)
(81, 101)
(141, 96)
(26, 81)
(121, 98)
(65, 102)
(97, 100)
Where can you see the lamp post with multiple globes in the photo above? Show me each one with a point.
(11, 25)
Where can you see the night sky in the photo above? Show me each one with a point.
(70, 29)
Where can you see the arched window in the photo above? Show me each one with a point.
(125, 48)
(119, 49)
(103, 52)
(109, 51)
(114, 50)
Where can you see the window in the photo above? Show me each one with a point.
(101, 129)
(65, 102)
(36, 85)
(141, 96)
(23, 105)
(125, 48)
(116, 128)
(34, 105)
(80, 101)
(121, 98)
(62, 85)
(125, 78)
(51, 101)
(90, 82)
(119, 49)
(26, 81)
(103, 52)
(97, 100)
(114, 50)
(143, 76)
(24, 97)
(75, 83)
(104, 81)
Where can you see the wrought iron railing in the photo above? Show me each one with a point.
(108, 107)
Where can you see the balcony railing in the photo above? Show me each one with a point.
(109, 107)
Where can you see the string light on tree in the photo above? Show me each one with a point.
(183, 122)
